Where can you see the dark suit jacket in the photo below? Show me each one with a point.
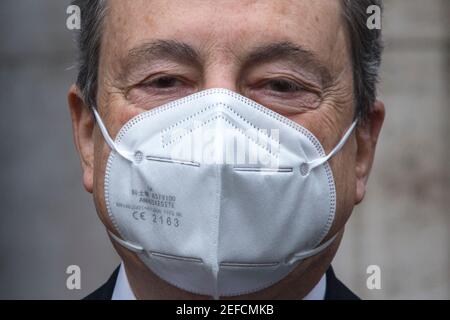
(335, 290)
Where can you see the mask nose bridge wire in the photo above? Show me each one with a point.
(317, 162)
(108, 139)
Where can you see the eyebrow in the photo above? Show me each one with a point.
(181, 52)
(292, 53)
(158, 50)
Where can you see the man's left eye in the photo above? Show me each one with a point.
(283, 86)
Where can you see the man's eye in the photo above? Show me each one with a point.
(159, 89)
(163, 82)
(283, 86)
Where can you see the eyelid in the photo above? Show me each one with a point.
(288, 81)
(160, 76)
(303, 85)
(142, 85)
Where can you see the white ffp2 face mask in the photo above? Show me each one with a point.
(217, 194)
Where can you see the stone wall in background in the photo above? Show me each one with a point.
(48, 221)
(404, 222)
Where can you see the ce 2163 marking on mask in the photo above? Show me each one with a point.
(240, 226)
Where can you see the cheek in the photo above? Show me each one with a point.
(122, 114)
(343, 165)
(101, 157)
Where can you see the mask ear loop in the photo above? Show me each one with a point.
(306, 167)
(107, 137)
(112, 145)
(303, 255)
(130, 246)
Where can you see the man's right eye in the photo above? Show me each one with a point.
(159, 89)
(163, 82)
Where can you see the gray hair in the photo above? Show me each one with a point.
(366, 50)
(89, 40)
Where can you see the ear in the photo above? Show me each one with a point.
(367, 134)
(83, 129)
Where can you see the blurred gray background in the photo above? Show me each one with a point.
(48, 221)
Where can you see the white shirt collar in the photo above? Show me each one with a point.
(122, 289)
(318, 292)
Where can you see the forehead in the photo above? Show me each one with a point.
(232, 25)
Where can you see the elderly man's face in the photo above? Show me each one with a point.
(290, 56)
